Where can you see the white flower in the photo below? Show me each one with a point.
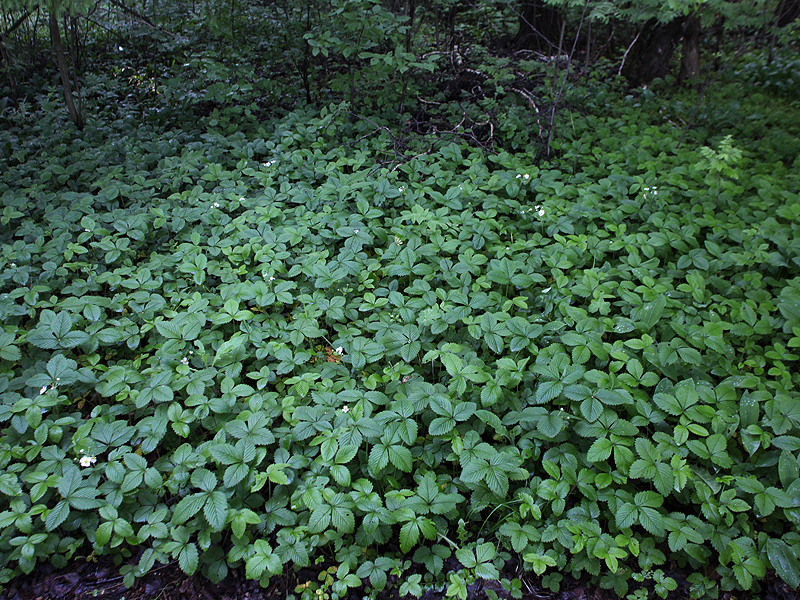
(518, 175)
(87, 461)
(526, 177)
(356, 230)
(402, 188)
(215, 205)
(339, 351)
(241, 199)
(345, 409)
(185, 360)
(544, 291)
(43, 390)
(271, 278)
(269, 163)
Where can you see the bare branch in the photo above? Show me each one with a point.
(141, 17)
(16, 24)
(625, 56)
(564, 80)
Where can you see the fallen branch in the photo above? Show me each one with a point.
(15, 25)
(142, 18)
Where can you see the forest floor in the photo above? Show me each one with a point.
(82, 580)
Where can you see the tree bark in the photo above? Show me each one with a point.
(690, 56)
(5, 58)
(540, 27)
(652, 55)
(58, 48)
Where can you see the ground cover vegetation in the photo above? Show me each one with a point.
(414, 298)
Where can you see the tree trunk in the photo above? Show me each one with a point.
(718, 31)
(5, 58)
(540, 27)
(410, 9)
(55, 36)
(651, 57)
(690, 57)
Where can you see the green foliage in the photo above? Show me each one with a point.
(255, 345)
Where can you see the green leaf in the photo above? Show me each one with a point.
(591, 409)
(539, 562)
(748, 410)
(263, 560)
(409, 535)
(627, 514)
(342, 519)
(230, 351)
(485, 552)
(457, 587)
(463, 411)
(400, 457)
(57, 515)
(600, 450)
(9, 485)
(8, 351)
(411, 586)
(378, 457)
(788, 470)
(784, 561)
(551, 425)
(320, 518)
(441, 426)
(520, 535)
(650, 314)
(548, 390)
(187, 559)
(103, 534)
(188, 507)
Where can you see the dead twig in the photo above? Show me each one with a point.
(532, 104)
(625, 56)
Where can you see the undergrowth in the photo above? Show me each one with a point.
(261, 344)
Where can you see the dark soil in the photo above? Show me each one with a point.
(92, 580)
